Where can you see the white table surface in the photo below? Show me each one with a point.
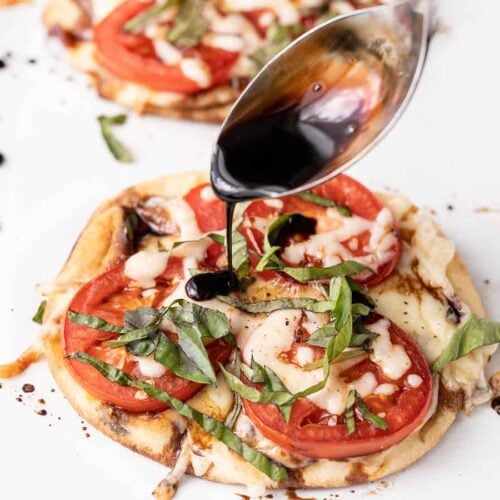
(443, 154)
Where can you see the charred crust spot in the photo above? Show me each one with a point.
(173, 447)
(115, 419)
(357, 474)
(294, 480)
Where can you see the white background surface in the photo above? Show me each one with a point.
(443, 152)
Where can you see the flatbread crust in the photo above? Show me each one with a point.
(101, 245)
(71, 19)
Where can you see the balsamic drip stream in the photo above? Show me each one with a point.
(278, 150)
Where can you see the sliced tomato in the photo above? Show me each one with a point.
(308, 434)
(345, 191)
(132, 57)
(210, 213)
(108, 296)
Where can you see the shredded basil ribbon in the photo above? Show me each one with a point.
(475, 333)
(267, 306)
(354, 398)
(350, 423)
(375, 420)
(270, 260)
(94, 322)
(189, 25)
(273, 470)
(304, 274)
(147, 15)
(325, 202)
(142, 336)
(38, 317)
(274, 391)
(116, 147)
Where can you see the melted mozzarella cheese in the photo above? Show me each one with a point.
(366, 384)
(184, 218)
(392, 358)
(197, 70)
(414, 380)
(149, 367)
(144, 267)
(385, 389)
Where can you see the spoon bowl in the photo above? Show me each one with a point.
(322, 103)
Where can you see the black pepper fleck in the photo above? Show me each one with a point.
(486, 282)
(41, 401)
(2, 159)
(3, 64)
(31, 60)
(450, 207)
(28, 388)
(42, 413)
(19, 398)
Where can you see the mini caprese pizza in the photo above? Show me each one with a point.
(182, 58)
(344, 350)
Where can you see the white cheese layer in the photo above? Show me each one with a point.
(143, 267)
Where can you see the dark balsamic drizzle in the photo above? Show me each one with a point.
(206, 286)
(297, 224)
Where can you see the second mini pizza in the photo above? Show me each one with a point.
(181, 58)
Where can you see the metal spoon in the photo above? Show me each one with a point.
(357, 71)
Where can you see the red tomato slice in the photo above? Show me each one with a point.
(345, 191)
(210, 214)
(133, 58)
(308, 434)
(108, 296)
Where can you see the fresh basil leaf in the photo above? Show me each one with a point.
(349, 412)
(141, 324)
(169, 354)
(141, 317)
(274, 471)
(314, 365)
(475, 333)
(144, 347)
(268, 306)
(271, 383)
(216, 238)
(304, 274)
(334, 349)
(189, 25)
(234, 367)
(340, 294)
(116, 147)
(375, 420)
(360, 310)
(94, 322)
(324, 202)
(321, 336)
(233, 415)
(208, 322)
(139, 21)
(269, 260)
(132, 336)
(38, 317)
(254, 395)
(359, 293)
(241, 262)
(192, 323)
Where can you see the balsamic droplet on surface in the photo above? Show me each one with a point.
(28, 388)
(297, 224)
